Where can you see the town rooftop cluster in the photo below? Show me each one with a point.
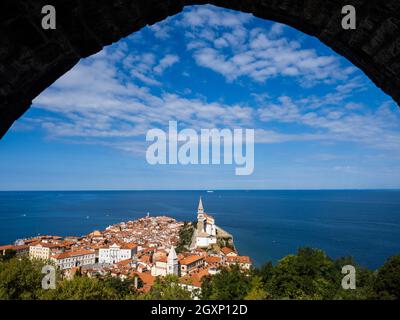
(144, 248)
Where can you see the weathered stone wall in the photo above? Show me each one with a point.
(31, 58)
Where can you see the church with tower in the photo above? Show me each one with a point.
(172, 262)
(166, 264)
(206, 233)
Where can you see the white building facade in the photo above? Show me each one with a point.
(39, 251)
(116, 253)
(74, 259)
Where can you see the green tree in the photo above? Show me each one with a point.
(257, 290)
(265, 272)
(81, 288)
(167, 288)
(185, 237)
(20, 278)
(387, 283)
(308, 275)
(364, 281)
(122, 288)
(228, 284)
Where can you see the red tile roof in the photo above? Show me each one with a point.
(212, 259)
(239, 259)
(129, 246)
(7, 247)
(226, 250)
(190, 259)
(70, 254)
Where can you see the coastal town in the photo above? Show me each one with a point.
(142, 250)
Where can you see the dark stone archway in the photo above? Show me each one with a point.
(31, 58)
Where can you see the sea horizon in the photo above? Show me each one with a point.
(205, 190)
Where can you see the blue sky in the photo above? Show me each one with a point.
(320, 123)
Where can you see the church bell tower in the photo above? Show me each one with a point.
(172, 262)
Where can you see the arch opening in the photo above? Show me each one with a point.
(279, 107)
(240, 72)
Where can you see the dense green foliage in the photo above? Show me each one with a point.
(225, 242)
(166, 288)
(387, 284)
(20, 278)
(123, 288)
(309, 274)
(185, 236)
(230, 284)
(81, 288)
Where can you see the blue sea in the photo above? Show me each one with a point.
(266, 225)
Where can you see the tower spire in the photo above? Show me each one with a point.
(172, 254)
(172, 262)
(200, 209)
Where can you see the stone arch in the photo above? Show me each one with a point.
(31, 58)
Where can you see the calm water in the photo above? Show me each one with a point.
(266, 225)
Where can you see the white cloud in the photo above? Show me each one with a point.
(146, 67)
(95, 101)
(166, 62)
(277, 29)
(113, 98)
(161, 30)
(225, 44)
(379, 128)
(209, 15)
